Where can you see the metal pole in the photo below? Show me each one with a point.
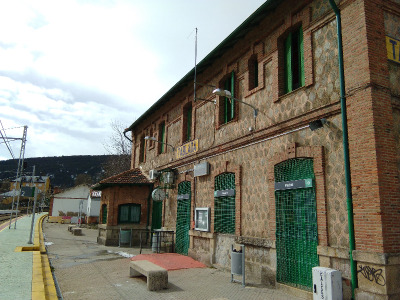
(20, 166)
(34, 208)
(195, 67)
(353, 265)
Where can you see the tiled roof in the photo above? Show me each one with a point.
(130, 177)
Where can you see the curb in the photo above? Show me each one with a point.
(43, 287)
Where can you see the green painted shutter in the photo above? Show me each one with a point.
(142, 149)
(183, 219)
(296, 225)
(162, 137)
(226, 102)
(288, 64)
(224, 206)
(123, 216)
(301, 57)
(134, 216)
(156, 216)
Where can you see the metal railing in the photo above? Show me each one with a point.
(157, 240)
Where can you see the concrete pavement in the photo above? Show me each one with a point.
(16, 261)
(86, 270)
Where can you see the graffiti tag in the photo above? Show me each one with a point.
(372, 274)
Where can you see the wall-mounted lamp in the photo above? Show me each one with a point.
(202, 99)
(317, 124)
(227, 94)
(151, 138)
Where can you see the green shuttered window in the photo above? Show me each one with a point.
(294, 60)
(161, 146)
(129, 213)
(229, 105)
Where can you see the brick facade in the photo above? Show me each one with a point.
(251, 147)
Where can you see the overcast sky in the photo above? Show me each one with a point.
(69, 68)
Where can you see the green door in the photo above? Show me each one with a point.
(156, 217)
(104, 215)
(296, 222)
(183, 218)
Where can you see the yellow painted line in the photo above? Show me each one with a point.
(43, 287)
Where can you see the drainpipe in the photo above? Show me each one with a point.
(125, 131)
(353, 266)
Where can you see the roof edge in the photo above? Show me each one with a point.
(269, 4)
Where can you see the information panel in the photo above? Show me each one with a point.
(393, 49)
(187, 149)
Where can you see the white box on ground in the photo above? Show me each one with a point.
(327, 284)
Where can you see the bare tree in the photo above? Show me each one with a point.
(83, 179)
(120, 148)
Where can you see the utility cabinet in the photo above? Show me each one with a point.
(327, 284)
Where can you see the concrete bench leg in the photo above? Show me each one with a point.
(157, 280)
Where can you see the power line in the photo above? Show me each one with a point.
(6, 140)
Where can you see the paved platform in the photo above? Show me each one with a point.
(16, 267)
(170, 261)
(87, 270)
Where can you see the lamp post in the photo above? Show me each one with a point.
(150, 138)
(227, 94)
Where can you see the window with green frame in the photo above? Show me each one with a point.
(161, 146)
(187, 123)
(228, 105)
(294, 60)
(129, 213)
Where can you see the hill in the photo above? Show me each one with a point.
(62, 170)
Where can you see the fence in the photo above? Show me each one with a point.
(158, 240)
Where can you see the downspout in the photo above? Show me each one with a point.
(148, 206)
(125, 131)
(353, 266)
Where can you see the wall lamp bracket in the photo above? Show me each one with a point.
(317, 124)
(151, 138)
(227, 94)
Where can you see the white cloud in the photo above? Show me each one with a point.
(70, 67)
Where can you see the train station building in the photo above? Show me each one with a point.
(261, 152)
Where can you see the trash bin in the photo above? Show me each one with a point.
(125, 237)
(156, 241)
(238, 263)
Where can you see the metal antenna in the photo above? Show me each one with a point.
(195, 66)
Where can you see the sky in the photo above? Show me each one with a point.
(70, 68)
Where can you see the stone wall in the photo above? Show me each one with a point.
(252, 146)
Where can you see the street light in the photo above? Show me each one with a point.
(151, 138)
(317, 124)
(227, 94)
